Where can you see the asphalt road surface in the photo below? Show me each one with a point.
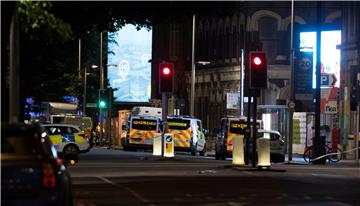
(115, 177)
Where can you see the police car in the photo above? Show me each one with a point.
(68, 139)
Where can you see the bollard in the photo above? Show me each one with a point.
(263, 151)
(168, 145)
(238, 150)
(157, 145)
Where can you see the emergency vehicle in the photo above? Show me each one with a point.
(229, 128)
(68, 139)
(188, 134)
(141, 131)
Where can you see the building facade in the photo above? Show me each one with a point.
(264, 26)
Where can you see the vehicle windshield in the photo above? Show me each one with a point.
(178, 124)
(142, 124)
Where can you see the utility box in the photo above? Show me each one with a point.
(263, 150)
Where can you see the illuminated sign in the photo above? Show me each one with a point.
(238, 125)
(131, 51)
(177, 124)
(330, 55)
(141, 122)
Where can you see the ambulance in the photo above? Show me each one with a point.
(229, 128)
(141, 131)
(188, 134)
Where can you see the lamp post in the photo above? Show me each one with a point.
(192, 92)
(292, 95)
(108, 116)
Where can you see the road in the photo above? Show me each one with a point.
(115, 177)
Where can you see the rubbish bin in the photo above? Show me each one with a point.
(263, 150)
(319, 149)
(238, 150)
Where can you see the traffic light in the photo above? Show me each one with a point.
(166, 76)
(355, 88)
(258, 70)
(105, 98)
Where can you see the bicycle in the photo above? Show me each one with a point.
(332, 154)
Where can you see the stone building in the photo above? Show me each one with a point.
(220, 40)
(350, 70)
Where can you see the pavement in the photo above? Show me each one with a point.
(297, 159)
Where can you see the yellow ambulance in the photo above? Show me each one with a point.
(188, 134)
(141, 131)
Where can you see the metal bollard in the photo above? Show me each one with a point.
(263, 151)
(238, 150)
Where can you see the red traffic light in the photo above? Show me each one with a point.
(166, 76)
(257, 61)
(258, 69)
(166, 70)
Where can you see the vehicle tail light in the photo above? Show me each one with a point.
(49, 178)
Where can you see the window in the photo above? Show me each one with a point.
(199, 125)
(53, 130)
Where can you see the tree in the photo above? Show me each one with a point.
(50, 30)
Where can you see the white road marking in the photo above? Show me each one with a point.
(135, 194)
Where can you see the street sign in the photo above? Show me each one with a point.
(91, 105)
(168, 145)
(232, 100)
(331, 107)
(328, 80)
(303, 76)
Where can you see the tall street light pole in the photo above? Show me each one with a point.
(291, 109)
(192, 94)
(84, 100)
(101, 86)
(79, 66)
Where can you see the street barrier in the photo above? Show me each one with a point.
(157, 145)
(168, 145)
(238, 150)
(263, 151)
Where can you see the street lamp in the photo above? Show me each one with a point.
(108, 112)
(85, 85)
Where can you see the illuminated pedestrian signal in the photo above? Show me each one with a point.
(166, 76)
(258, 70)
